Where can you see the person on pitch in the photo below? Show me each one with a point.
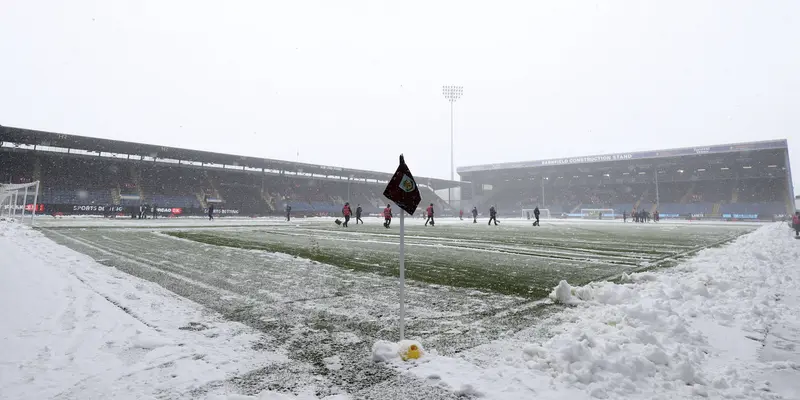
(429, 213)
(492, 215)
(346, 213)
(358, 215)
(387, 216)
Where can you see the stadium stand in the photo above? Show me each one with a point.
(735, 181)
(749, 180)
(79, 171)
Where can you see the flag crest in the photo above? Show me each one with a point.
(402, 189)
(407, 184)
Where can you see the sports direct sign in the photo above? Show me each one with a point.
(96, 208)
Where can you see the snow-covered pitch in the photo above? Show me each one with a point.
(187, 308)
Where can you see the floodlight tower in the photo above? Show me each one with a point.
(451, 93)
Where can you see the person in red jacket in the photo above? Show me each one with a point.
(461, 214)
(429, 212)
(346, 212)
(387, 215)
(796, 223)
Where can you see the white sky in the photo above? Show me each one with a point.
(354, 83)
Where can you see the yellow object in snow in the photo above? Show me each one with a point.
(413, 352)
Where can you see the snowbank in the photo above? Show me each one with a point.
(694, 330)
(72, 328)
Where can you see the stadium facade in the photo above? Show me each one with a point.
(84, 175)
(742, 181)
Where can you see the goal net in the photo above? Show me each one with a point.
(528, 212)
(19, 200)
(597, 213)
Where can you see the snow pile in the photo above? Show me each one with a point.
(694, 330)
(72, 328)
(383, 351)
(563, 293)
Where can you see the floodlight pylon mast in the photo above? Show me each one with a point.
(451, 94)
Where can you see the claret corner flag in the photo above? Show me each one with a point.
(402, 189)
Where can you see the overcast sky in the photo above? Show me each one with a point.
(354, 83)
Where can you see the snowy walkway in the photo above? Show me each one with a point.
(726, 324)
(74, 329)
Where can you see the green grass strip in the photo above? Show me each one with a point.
(478, 277)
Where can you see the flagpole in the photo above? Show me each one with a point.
(403, 191)
(402, 274)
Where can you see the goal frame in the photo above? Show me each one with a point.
(11, 195)
(593, 213)
(544, 213)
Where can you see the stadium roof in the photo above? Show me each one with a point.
(633, 156)
(41, 138)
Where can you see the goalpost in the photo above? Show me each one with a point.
(14, 200)
(597, 213)
(544, 213)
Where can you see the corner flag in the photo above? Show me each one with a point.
(402, 189)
